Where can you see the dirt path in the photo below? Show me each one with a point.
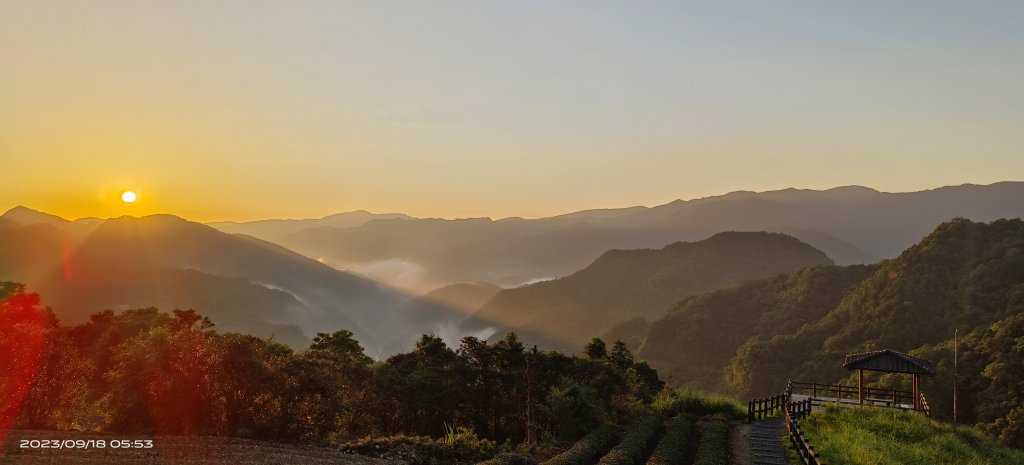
(175, 450)
(758, 443)
(693, 440)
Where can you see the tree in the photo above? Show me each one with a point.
(25, 326)
(58, 398)
(621, 357)
(249, 385)
(163, 380)
(574, 409)
(595, 349)
(342, 346)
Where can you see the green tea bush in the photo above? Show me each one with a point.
(672, 446)
(588, 449)
(714, 443)
(509, 458)
(637, 442)
(424, 450)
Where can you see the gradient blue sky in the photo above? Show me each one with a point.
(249, 109)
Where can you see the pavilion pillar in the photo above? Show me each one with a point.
(860, 387)
(917, 392)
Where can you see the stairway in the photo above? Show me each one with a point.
(764, 442)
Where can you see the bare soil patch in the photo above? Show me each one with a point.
(173, 450)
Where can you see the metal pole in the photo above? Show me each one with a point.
(955, 372)
(529, 396)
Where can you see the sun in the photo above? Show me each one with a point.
(128, 197)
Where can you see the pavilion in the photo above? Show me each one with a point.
(889, 361)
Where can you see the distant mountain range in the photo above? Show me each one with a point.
(243, 283)
(273, 230)
(852, 225)
(363, 271)
(738, 292)
(443, 310)
(622, 284)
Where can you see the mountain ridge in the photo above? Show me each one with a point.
(621, 284)
(852, 224)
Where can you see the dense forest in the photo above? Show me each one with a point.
(720, 322)
(144, 371)
(964, 276)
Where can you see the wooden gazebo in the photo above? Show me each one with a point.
(889, 361)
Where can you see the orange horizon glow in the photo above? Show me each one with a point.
(447, 110)
(107, 203)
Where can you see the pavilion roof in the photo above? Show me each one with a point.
(889, 361)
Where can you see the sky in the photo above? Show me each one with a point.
(238, 110)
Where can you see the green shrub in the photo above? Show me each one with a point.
(509, 458)
(672, 402)
(574, 409)
(714, 443)
(672, 446)
(588, 449)
(637, 442)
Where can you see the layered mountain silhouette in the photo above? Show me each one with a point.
(272, 230)
(351, 263)
(852, 225)
(24, 216)
(621, 284)
(443, 310)
(243, 283)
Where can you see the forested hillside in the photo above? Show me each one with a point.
(714, 325)
(963, 276)
(621, 284)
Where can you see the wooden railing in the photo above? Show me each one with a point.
(766, 406)
(888, 397)
(821, 394)
(799, 409)
(794, 412)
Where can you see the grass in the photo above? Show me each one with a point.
(677, 401)
(863, 436)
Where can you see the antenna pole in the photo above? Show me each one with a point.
(955, 373)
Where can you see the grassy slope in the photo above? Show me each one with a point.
(875, 436)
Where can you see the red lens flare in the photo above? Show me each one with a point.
(22, 338)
